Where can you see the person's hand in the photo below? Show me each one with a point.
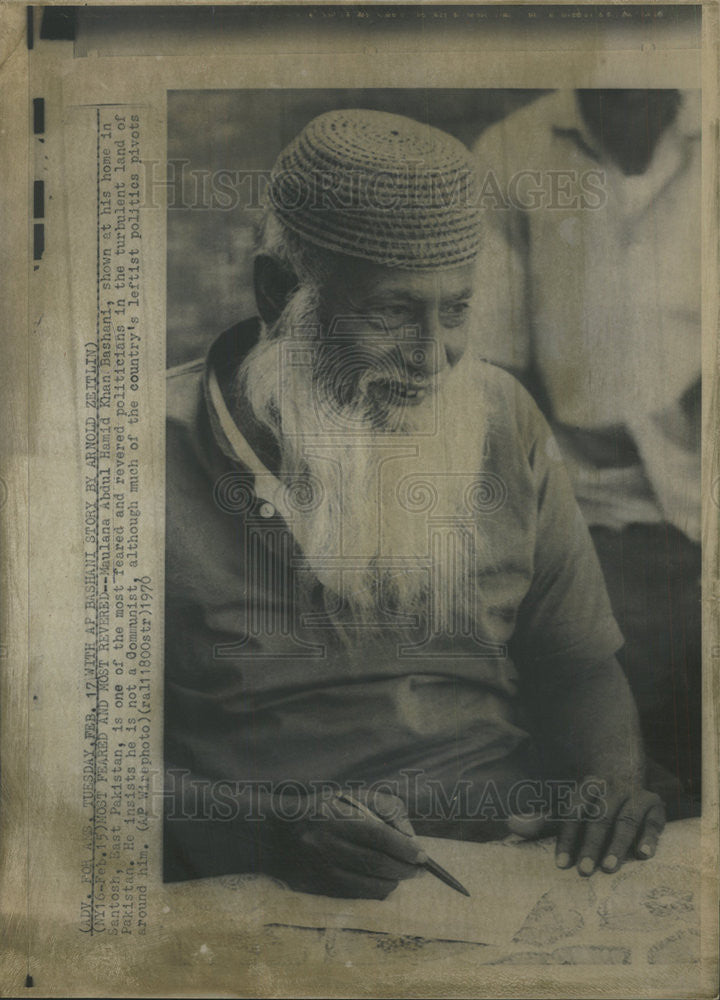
(336, 850)
(601, 826)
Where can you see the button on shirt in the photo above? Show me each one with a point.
(259, 685)
(596, 284)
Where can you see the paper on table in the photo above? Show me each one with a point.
(517, 896)
(504, 884)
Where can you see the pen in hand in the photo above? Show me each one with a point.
(427, 863)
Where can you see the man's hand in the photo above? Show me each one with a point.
(622, 822)
(338, 851)
(590, 727)
(602, 827)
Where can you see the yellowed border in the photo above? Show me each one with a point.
(309, 977)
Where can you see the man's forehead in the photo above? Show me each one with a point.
(358, 278)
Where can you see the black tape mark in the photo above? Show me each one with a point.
(30, 27)
(39, 199)
(29, 982)
(59, 24)
(38, 115)
(38, 240)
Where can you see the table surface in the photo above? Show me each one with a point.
(649, 911)
(643, 920)
(528, 930)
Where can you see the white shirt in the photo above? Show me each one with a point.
(603, 295)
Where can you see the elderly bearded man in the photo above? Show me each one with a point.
(377, 576)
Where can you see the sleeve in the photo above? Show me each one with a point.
(669, 445)
(502, 314)
(565, 623)
(213, 828)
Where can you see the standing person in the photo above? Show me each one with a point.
(595, 199)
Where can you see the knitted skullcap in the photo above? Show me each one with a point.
(379, 186)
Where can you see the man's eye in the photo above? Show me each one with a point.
(395, 316)
(456, 308)
(454, 313)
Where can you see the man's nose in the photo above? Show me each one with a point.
(436, 347)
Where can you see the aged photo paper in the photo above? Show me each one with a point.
(359, 499)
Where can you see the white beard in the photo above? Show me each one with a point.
(387, 522)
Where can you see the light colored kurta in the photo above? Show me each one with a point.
(594, 277)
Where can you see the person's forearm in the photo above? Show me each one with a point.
(591, 728)
(214, 829)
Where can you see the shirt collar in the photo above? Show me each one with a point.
(567, 119)
(221, 365)
(689, 118)
(240, 446)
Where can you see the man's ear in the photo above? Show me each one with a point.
(274, 283)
